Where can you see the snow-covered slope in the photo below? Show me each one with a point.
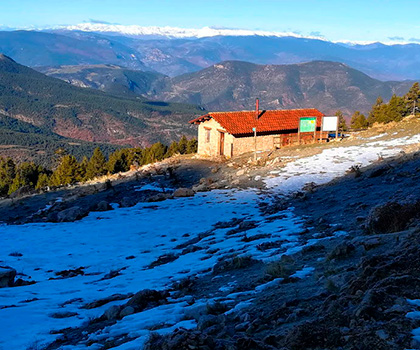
(115, 249)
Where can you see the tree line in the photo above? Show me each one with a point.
(69, 170)
(396, 109)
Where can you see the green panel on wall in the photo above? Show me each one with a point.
(307, 124)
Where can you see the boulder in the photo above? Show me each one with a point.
(128, 310)
(103, 206)
(200, 188)
(184, 192)
(146, 298)
(112, 313)
(159, 197)
(70, 214)
(7, 276)
(128, 202)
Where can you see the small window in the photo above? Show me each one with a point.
(208, 132)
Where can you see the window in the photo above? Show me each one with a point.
(208, 132)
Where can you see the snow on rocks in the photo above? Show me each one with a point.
(100, 243)
(331, 163)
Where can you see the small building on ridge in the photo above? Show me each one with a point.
(233, 133)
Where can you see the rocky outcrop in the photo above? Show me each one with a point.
(7, 276)
(184, 192)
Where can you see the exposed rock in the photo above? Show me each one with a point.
(103, 301)
(163, 259)
(183, 192)
(127, 202)
(113, 312)
(7, 276)
(159, 197)
(371, 243)
(103, 206)
(147, 298)
(128, 310)
(71, 272)
(71, 214)
(342, 251)
(64, 314)
(200, 188)
(181, 339)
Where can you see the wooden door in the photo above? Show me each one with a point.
(222, 143)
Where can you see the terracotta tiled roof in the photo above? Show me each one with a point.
(241, 123)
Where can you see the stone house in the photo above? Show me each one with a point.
(233, 133)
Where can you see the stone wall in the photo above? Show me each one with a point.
(212, 147)
(234, 146)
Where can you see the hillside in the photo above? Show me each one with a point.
(86, 114)
(234, 85)
(268, 266)
(109, 78)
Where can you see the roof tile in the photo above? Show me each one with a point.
(242, 122)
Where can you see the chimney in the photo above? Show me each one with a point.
(257, 108)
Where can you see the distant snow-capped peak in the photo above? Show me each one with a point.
(174, 32)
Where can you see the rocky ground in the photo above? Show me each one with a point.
(347, 276)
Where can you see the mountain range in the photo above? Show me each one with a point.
(174, 55)
(234, 85)
(38, 107)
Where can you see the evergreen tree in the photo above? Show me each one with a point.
(182, 145)
(157, 152)
(26, 175)
(97, 165)
(173, 149)
(412, 98)
(342, 125)
(7, 174)
(67, 172)
(396, 109)
(192, 146)
(377, 113)
(358, 121)
(83, 168)
(118, 162)
(43, 181)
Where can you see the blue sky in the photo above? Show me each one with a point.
(357, 20)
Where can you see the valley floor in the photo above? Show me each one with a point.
(258, 261)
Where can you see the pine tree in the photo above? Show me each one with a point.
(67, 172)
(377, 113)
(358, 121)
(412, 98)
(172, 149)
(43, 181)
(396, 109)
(157, 152)
(182, 145)
(192, 146)
(342, 125)
(97, 165)
(118, 162)
(7, 174)
(26, 175)
(83, 168)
